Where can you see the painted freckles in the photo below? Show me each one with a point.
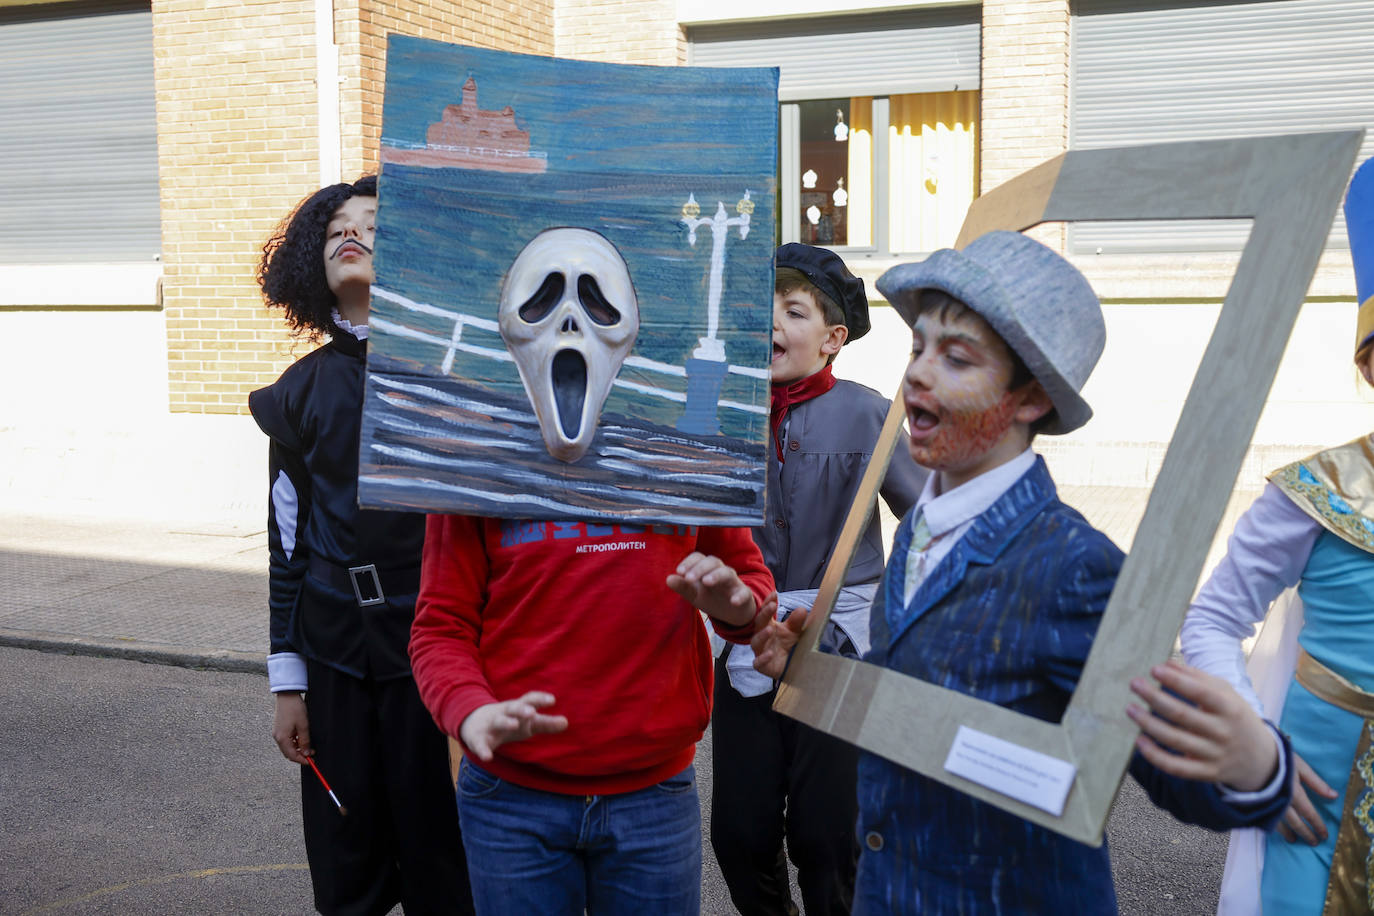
(962, 420)
(943, 437)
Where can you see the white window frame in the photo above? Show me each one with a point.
(789, 179)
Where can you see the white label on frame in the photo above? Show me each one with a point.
(1027, 776)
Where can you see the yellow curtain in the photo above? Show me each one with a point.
(860, 184)
(933, 156)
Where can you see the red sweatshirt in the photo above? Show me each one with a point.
(582, 611)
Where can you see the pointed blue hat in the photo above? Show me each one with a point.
(1359, 225)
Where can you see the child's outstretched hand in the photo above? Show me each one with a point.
(774, 643)
(488, 727)
(1220, 739)
(711, 586)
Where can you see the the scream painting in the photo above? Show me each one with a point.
(572, 310)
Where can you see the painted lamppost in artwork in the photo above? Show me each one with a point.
(707, 368)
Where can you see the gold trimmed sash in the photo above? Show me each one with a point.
(1332, 687)
(1350, 887)
(1336, 488)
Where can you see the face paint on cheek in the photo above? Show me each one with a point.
(965, 435)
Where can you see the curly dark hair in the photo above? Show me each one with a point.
(291, 273)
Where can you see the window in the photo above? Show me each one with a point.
(1155, 71)
(881, 108)
(887, 175)
(79, 140)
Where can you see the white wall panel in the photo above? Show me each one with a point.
(886, 53)
(1153, 72)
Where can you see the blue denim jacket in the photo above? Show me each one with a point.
(1008, 616)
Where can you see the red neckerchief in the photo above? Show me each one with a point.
(784, 396)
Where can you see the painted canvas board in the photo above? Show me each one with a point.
(572, 311)
(1065, 775)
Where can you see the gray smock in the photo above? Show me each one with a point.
(827, 443)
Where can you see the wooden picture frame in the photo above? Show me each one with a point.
(1290, 187)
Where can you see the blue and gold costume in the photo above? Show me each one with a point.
(1329, 709)
(1313, 529)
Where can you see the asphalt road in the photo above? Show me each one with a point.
(131, 788)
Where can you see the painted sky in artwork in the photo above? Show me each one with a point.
(612, 148)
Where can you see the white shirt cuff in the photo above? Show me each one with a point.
(1233, 797)
(286, 671)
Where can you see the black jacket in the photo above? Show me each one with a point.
(312, 414)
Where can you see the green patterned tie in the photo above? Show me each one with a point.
(920, 540)
(920, 536)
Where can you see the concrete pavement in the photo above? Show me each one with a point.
(173, 592)
(194, 593)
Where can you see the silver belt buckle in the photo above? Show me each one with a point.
(371, 570)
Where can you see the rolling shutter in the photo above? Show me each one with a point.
(1153, 72)
(889, 53)
(79, 135)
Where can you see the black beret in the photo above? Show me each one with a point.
(827, 273)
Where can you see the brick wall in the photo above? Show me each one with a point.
(620, 31)
(526, 26)
(237, 116)
(1025, 91)
(236, 148)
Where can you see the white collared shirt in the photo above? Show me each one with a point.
(950, 515)
(357, 330)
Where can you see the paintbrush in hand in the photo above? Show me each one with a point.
(324, 782)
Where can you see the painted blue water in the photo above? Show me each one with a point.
(625, 147)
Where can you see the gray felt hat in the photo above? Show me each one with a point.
(1038, 302)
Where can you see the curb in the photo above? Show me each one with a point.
(133, 650)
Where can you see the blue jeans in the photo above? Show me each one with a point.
(540, 852)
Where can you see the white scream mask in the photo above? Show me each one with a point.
(569, 317)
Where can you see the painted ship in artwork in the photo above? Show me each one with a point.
(466, 137)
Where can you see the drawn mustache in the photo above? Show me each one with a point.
(349, 242)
